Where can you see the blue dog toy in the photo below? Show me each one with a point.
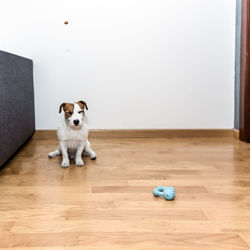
(167, 192)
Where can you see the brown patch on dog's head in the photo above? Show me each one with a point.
(68, 109)
(82, 105)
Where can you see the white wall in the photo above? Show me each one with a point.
(137, 63)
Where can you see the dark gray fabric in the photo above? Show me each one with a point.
(17, 121)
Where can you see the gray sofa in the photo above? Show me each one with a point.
(17, 119)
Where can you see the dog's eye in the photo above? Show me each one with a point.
(70, 113)
(80, 112)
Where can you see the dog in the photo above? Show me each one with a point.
(72, 134)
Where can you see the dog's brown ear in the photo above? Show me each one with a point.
(61, 106)
(83, 105)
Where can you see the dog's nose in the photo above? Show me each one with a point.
(76, 122)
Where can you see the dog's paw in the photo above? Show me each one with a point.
(65, 164)
(51, 155)
(92, 157)
(79, 162)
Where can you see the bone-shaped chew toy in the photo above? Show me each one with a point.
(167, 192)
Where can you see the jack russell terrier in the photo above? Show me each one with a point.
(73, 135)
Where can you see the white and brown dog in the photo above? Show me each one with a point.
(73, 135)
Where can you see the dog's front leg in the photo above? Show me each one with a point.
(65, 157)
(79, 161)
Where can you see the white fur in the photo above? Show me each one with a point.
(73, 140)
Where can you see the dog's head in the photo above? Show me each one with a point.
(74, 113)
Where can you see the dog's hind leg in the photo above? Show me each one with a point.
(54, 153)
(88, 151)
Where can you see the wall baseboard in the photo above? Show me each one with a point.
(145, 133)
(236, 134)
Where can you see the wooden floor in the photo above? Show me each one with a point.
(108, 204)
